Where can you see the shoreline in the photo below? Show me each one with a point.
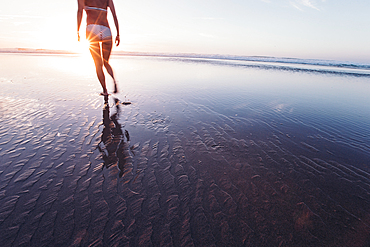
(222, 57)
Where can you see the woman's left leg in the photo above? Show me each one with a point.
(107, 49)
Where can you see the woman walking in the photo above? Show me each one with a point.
(99, 35)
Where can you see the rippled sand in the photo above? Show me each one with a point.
(209, 153)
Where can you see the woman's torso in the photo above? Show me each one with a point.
(96, 11)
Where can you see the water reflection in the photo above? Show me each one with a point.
(114, 148)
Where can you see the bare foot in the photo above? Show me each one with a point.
(104, 94)
(115, 88)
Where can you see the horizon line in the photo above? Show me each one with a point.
(262, 58)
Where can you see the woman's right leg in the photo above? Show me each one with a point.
(96, 54)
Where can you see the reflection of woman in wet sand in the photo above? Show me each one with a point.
(98, 32)
(112, 145)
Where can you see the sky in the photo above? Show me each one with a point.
(315, 29)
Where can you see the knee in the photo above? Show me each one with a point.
(106, 64)
(99, 67)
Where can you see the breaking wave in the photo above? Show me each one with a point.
(263, 62)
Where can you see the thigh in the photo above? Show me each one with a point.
(95, 52)
(107, 48)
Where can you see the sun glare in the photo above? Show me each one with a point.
(82, 47)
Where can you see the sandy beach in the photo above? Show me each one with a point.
(210, 152)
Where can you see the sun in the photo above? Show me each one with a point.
(82, 47)
(68, 43)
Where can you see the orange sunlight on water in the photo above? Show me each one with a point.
(75, 64)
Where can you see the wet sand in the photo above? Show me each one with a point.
(209, 153)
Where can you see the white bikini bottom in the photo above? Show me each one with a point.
(98, 32)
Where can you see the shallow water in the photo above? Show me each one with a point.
(209, 153)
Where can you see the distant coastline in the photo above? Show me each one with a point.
(30, 50)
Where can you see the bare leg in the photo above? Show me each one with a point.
(96, 54)
(107, 49)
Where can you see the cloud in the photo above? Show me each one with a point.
(308, 3)
(296, 6)
(299, 4)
